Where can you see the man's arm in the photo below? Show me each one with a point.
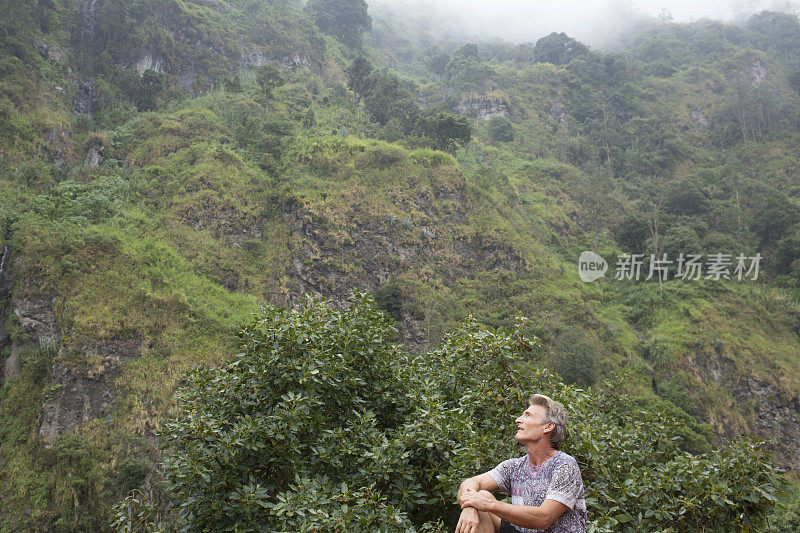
(469, 521)
(527, 516)
(477, 483)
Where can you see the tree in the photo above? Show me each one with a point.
(787, 255)
(469, 50)
(632, 234)
(268, 78)
(678, 239)
(500, 129)
(358, 79)
(781, 31)
(774, 219)
(323, 423)
(436, 60)
(524, 53)
(558, 49)
(388, 98)
(446, 129)
(344, 19)
(685, 197)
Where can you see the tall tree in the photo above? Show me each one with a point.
(358, 79)
(558, 49)
(388, 98)
(446, 129)
(347, 20)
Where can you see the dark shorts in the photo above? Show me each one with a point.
(506, 527)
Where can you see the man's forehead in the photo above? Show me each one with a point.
(535, 409)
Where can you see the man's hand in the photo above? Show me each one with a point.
(476, 500)
(469, 521)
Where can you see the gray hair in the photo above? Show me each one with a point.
(555, 413)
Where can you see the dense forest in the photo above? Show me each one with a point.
(272, 265)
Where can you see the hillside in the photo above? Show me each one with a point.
(169, 166)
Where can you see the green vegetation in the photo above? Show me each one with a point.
(322, 422)
(165, 169)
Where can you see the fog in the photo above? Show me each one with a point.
(592, 21)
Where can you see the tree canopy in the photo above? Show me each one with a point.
(344, 19)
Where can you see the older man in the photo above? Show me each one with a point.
(545, 485)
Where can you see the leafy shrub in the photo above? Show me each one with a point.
(383, 156)
(322, 422)
(432, 158)
(632, 234)
(389, 297)
(81, 203)
(786, 518)
(131, 474)
(500, 129)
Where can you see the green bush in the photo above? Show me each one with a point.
(321, 422)
(500, 129)
(389, 297)
(383, 156)
(447, 130)
(432, 158)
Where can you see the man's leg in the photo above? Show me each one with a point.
(489, 522)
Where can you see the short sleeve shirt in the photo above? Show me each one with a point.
(558, 478)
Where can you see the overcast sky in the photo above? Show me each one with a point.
(589, 20)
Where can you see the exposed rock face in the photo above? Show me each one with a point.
(48, 51)
(87, 389)
(94, 156)
(777, 418)
(148, 62)
(188, 79)
(84, 98)
(758, 71)
(699, 118)
(558, 111)
(5, 291)
(227, 222)
(482, 108)
(5, 279)
(36, 315)
(12, 366)
(254, 57)
(59, 142)
(296, 61)
(377, 249)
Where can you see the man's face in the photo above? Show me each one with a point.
(531, 426)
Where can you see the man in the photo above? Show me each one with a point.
(545, 485)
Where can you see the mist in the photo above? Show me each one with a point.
(595, 22)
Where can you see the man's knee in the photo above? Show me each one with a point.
(489, 522)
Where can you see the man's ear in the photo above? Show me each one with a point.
(549, 427)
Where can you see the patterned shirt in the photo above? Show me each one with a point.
(558, 478)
